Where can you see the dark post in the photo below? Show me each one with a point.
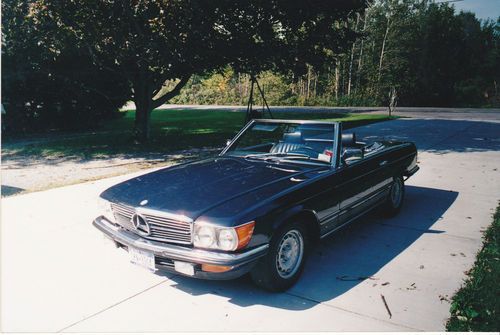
(255, 114)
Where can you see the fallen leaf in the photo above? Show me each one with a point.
(444, 298)
(412, 287)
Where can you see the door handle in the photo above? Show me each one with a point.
(383, 163)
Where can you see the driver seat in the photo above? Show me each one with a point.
(291, 141)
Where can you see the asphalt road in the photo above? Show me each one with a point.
(59, 274)
(440, 113)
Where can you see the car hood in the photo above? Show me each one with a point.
(194, 188)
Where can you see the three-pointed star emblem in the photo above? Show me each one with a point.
(140, 224)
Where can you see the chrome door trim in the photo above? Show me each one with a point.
(363, 194)
(350, 220)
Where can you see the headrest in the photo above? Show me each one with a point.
(348, 139)
(292, 137)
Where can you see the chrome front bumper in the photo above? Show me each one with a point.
(176, 252)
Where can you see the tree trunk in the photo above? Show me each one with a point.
(382, 52)
(360, 60)
(337, 79)
(308, 82)
(142, 100)
(315, 84)
(145, 102)
(352, 58)
(142, 120)
(342, 76)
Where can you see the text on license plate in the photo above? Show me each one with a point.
(142, 258)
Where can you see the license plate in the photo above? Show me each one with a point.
(183, 267)
(142, 258)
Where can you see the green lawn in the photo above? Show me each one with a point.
(172, 130)
(476, 305)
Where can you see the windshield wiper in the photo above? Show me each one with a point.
(268, 156)
(307, 158)
(271, 155)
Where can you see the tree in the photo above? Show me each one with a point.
(150, 42)
(42, 90)
(428, 54)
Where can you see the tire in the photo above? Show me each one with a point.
(282, 266)
(394, 201)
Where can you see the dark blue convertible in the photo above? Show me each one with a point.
(260, 205)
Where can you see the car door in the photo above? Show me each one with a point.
(326, 202)
(363, 184)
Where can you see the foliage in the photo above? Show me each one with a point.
(150, 42)
(40, 92)
(69, 64)
(423, 51)
(227, 87)
(429, 54)
(475, 307)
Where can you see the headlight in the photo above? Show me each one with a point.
(105, 209)
(205, 237)
(227, 239)
(210, 236)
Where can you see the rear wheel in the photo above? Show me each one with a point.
(394, 200)
(283, 264)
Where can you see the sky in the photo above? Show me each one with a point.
(482, 8)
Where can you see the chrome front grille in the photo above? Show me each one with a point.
(162, 228)
(123, 215)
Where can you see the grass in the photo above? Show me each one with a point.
(476, 305)
(172, 130)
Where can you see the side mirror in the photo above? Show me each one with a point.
(352, 154)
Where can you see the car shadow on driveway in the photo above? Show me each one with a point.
(346, 259)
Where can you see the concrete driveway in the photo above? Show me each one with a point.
(59, 274)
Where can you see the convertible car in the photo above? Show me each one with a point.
(260, 205)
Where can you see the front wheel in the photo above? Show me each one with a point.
(394, 200)
(283, 264)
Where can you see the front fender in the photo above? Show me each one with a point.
(295, 214)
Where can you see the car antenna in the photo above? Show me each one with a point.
(255, 113)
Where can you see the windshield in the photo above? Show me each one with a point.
(286, 141)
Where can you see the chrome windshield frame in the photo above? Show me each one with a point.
(337, 150)
(337, 131)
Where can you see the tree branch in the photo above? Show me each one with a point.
(169, 95)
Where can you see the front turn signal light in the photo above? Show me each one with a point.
(215, 268)
(244, 233)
